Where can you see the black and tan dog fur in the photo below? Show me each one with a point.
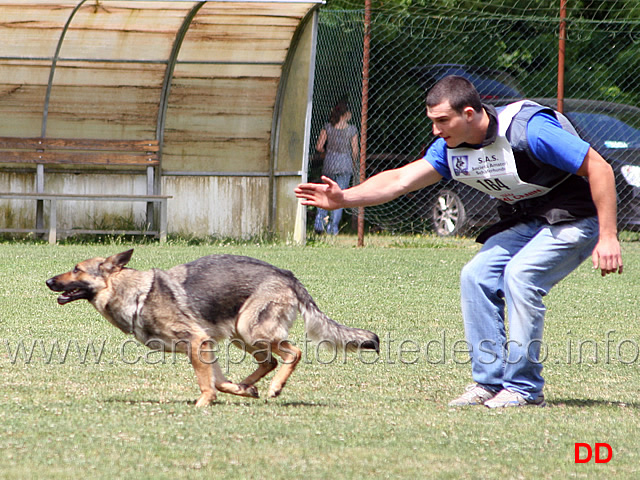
(191, 307)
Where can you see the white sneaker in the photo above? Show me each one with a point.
(509, 398)
(474, 395)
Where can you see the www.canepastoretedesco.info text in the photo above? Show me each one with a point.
(442, 349)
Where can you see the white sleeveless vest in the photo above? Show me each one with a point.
(492, 169)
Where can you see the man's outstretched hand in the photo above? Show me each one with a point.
(327, 195)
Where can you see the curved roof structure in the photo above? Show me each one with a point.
(208, 79)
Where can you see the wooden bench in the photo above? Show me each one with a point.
(67, 155)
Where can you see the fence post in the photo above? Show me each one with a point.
(561, 53)
(365, 111)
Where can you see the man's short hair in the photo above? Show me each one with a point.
(459, 91)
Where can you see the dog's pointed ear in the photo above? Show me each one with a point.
(116, 262)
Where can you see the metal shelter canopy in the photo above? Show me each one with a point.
(56, 19)
(220, 84)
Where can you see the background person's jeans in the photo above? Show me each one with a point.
(331, 226)
(517, 268)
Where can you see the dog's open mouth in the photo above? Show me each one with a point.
(71, 295)
(69, 292)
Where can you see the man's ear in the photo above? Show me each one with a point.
(116, 262)
(469, 113)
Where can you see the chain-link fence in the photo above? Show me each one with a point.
(508, 53)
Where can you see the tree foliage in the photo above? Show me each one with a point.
(520, 37)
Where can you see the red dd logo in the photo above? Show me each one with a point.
(590, 453)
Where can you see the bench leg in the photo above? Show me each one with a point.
(163, 221)
(39, 203)
(151, 208)
(39, 214)
(52, 222)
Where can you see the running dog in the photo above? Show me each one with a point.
(192, 307)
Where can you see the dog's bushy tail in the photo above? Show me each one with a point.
(321, 328)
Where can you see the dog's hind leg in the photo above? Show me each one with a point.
(263, 323)
(266, 364)
(290, 356)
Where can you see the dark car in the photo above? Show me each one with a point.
(396, 121)
(608, 127)
(611, 130)
(491, 84)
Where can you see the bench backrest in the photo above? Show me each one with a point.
(64, 151)
(70, 152)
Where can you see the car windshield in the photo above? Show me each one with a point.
(603, 131)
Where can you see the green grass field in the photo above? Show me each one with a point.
(81, 399)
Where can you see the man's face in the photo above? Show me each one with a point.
(454, 127)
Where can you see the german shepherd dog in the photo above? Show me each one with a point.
(192, 307)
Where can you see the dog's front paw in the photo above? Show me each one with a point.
(206, 399)
(274, 391)
(249, 390)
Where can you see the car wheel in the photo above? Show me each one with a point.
(448, 215)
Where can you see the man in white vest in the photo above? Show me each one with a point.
(557, 206)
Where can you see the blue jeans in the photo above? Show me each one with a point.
(516, 268)
(335, 215)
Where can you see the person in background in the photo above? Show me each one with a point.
(558, 206)
(338, 141)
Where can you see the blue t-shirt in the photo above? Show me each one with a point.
(548, 141)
